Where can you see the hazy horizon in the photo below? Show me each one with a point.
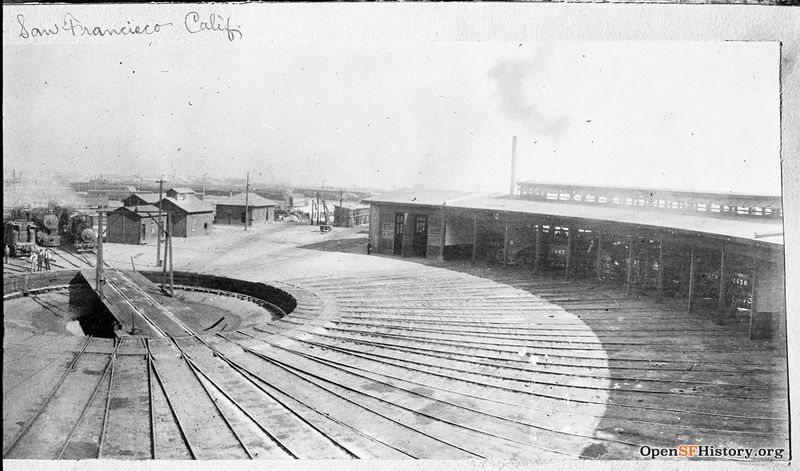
(701, 116)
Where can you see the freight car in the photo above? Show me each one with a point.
(20, 237)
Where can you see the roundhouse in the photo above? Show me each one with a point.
(716, 252)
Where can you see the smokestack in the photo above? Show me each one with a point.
(512, 187)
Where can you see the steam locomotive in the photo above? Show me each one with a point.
(49, 230)
(20, 237)
(47, 234)
(81, 233)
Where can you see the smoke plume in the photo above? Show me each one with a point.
(516, 81)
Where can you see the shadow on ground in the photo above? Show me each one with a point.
(356, 245)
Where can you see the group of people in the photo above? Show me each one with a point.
(40, 258)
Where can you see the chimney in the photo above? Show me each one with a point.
(512, 187)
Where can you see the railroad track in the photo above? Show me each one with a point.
(424, 365)
(502, 386)
(211, 388)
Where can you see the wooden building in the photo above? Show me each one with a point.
(106, 193)
(190, 215)
(141, 199)
(726, 258)
(135, 225)
(350, 214)
(232, 210)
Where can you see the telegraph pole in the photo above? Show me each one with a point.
(158, 239)
(171, 280)
(317, 207)
(99, 264)
(164, 266)
(338, 220)
(247, 202)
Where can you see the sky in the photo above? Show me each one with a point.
(698, 116)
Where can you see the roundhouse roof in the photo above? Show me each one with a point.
(767, 231)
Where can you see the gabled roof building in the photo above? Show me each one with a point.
(232, 210)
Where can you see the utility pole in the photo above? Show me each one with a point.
(338, 217)
(317, 207)
(160, 226)
(99, 264)
(171, 281)
(247, 202)
(164, 266)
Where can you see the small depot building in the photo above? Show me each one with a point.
(714, 252)
(189, 215)
(237, 209)
(350, 214)
(136, 225)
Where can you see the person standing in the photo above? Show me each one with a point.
(33, 258)
(47, 256)
(369, 248)
(5, 253)
(39, 260)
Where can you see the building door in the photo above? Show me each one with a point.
(244, 217)
(420, 242)
(143, 237)
(399, 219)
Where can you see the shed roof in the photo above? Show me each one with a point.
(253, 200)
(418, 196)
(179, 189)
(774, 199)
(352, 205)
(151, 198)
(142, 211)
(191, 205)
(740, 228)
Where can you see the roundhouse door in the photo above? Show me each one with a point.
(399, 219)
(420, 242)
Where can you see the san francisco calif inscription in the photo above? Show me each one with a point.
(193, 23)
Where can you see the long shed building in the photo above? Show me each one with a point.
(242, 207)
(719, 252)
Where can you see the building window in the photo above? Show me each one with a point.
(205, 226)
(422, 224)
